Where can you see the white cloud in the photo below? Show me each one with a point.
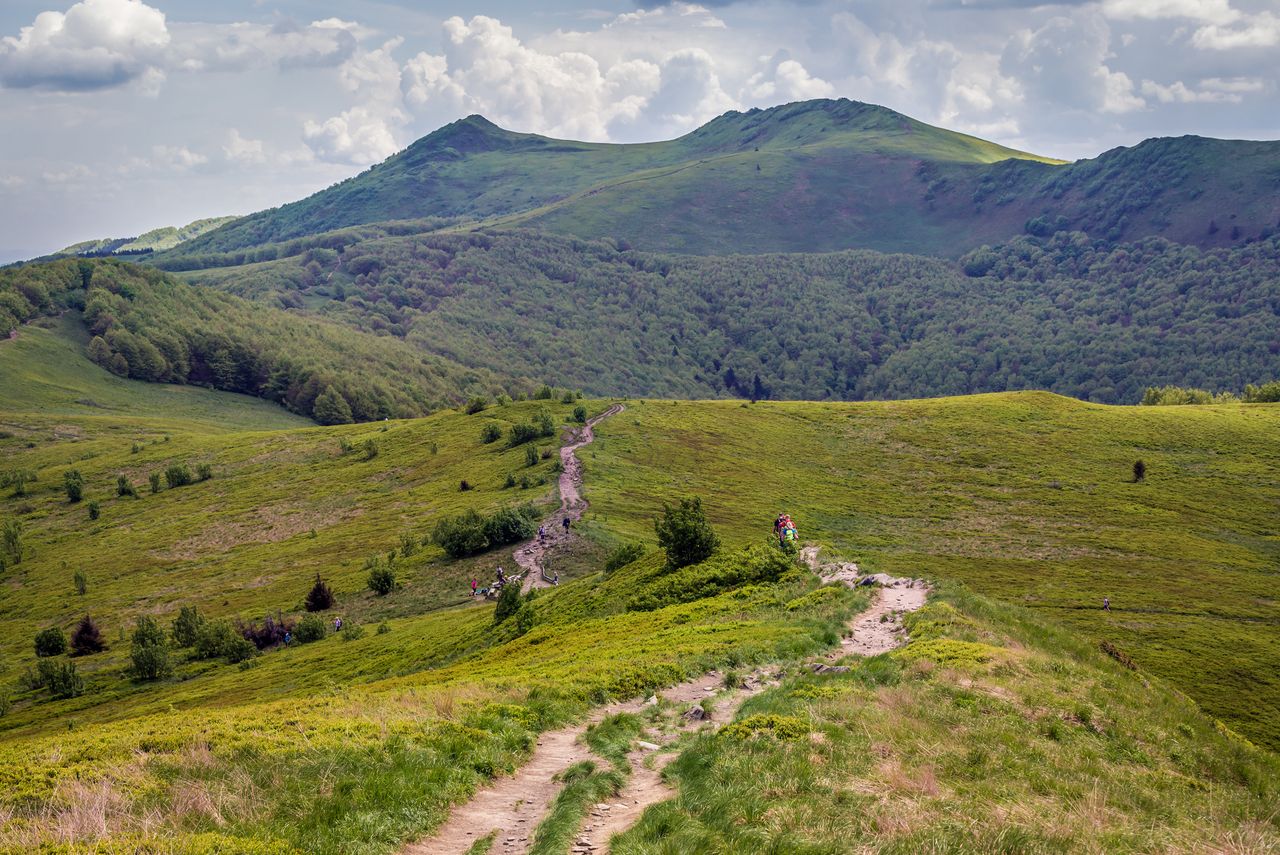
(243, 46)
(1179, 93)
(96, 44)
(1258, 31)
(358, 136)
(244, 151)
(788, 81)
(1064, 64)
(1212, 11)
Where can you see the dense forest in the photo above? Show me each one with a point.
(148, 326)
(1066, 313)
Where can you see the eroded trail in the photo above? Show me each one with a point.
(531, 554)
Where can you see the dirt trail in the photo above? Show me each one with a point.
(877, 630)
(529, 555)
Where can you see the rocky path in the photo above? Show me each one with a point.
(878, 629)
(529, 555)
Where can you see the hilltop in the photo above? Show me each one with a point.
(156, 240)
(813, 176)
(1024, 497)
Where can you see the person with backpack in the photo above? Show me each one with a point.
(474, 583)
(566, 525)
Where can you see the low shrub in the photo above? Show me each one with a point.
(149, 651)
(177, 475)
(73, 483)
(154, 480)
(490, 433)
(382, 579)
(270, 633)
(95, 510)
(766, 725)
(51, 642)
(204, 472)
(310, 628)
(61, 678)
(623, 555)
(124, 488)
(220, 640)
(476, 405)
(580, 414)
(684, 532)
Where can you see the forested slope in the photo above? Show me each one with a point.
(1065, 313)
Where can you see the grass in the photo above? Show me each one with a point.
(1026, 497)
(1046, 747)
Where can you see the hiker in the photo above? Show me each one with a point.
(1106, 604)
(288, 637)
(501, 578)
(566, 525)
(777, 525)
(542, 534)
(337, 624)
(474, 582)
(555, 579)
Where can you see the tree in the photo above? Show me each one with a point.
(99, 350)
(382, 578)
(11, 539)
(62, 679)
(149, 650)
(477, 404)
(319, 597)
(124, 488)
(73, 483)
(187, 626)
(684, 532)
(87, 638)
(508, 603)
(154, 480)
(461, 535)
(51, 642)
(1139, 471)
(580, 414)
(758, 391)
(310, 628)
(490, 433)
(331, 408)
(94, 510)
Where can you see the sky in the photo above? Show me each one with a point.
(124, 115)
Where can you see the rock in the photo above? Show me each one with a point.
(647, 746)
(652, 702)
(695, 714)
(823, 668)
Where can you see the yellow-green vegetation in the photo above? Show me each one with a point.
(1026, 497)
(1047, 747)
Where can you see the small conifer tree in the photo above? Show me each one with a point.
(320, 597)
(87, 638)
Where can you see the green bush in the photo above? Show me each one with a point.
(767, 725)
(544, 393)
(684, 532)
(567, 397)
(510, 482)
(73, 483)
(81, 582)
(371, 449)
(461, 535)
(510, 525)
(491, 432)
(523, 432)
(124, 488)
(177, 475)
(310, 628)
(51, 642)
(382, 579)
(187, 626)
(220, 640)
(508, 603)
(204, 472)
(149, 650)
(530, 456)
(352, 631)
(715, 576)
(154, 480)
(580, 414)
(545, 423)
(476, 405)
(62, 678)
(95, 510)
(623, 555)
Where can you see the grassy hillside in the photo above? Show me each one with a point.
(1065, 313)
(1026, 497)
(44, 370)
(156, 240)
(813, 176)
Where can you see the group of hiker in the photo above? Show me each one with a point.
(785, 530)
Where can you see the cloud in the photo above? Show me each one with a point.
(243, 46)
(358, 136)
(96, 44)
(244, 151)
(1213, 91)
(1213, 11)
(1064, 64)
(787, 81)
(1258, 31)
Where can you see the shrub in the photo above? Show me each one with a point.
(269, 634)
(464, 485)
(521, 433)
(623, 555)
(490, 433)
(509, 526)
(124, 488)
(525, 618)
(95, 510)
(781, 727)
(371, 449)
(508, 603)
(310, 628)
(684, 532)
(11, 540)
(204, 472)
(177, 475)
(510, 482)
(580, 414)
(87, 638)
(476, 405)
(461, 535)
(352, 631)
(545, 423)
(81, 582)
(544, 393)
(408, 545)
(382, 579)
(149, 650)
(567, 397)
(320, 597)
(51, 642)
(1139, 471)
(154, 480)
(62, 679)
(18, 479)
(384, 628)
(530, 456)
(187, 626)
(73, 483)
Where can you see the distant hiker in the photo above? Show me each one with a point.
(1106, 604)
(288, 637)
(777, 526)
(501, 578)
(337, 624)
(542, 534)
(474, 583)
(555, 579)
(566, 525)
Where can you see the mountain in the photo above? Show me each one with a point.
(155, 240)
(812, 176)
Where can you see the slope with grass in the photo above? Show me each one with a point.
(813, 176)
(156, 240)
(361, 741)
